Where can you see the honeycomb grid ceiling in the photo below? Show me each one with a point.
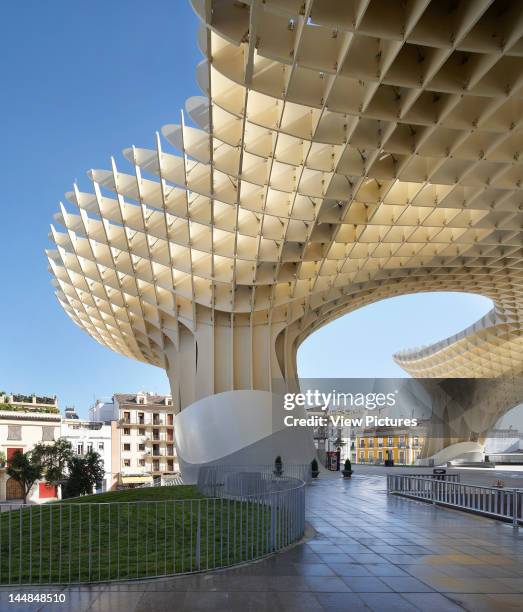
(341, 153)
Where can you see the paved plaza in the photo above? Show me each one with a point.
(365, 550)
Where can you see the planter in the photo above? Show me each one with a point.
(315, 473)
(278, 472)
(346, 473)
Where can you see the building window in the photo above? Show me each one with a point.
(127, 416)
(170, 449)
(156, 465)
(156, 419)
(14, 432)
(127, 447)
(47, 433)
(371, 442)
(80, 448)
(156, 434)
(380, 442)
(100, 446)
(141, 462)
(141, 431)
(170, 465)
(127, 463)
(362, 458)
(371, 457)
(141, 418)
(141, 446)
(391, 441)
(126, 431)
(380, 456)
(89, 447)
(170, 419)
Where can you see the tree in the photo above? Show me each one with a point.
(54, 459)
(26, 469)
(84, 473)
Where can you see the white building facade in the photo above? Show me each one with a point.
(86, 436)
(24, 422)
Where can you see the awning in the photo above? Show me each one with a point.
(135, 479)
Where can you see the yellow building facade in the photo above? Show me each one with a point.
(375, 447)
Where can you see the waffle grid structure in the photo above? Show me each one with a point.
(342, 153)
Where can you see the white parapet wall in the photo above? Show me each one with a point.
(467, 451)
(242, 428)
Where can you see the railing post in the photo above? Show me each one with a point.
(273, 521)
(515, 499)
(198, 535)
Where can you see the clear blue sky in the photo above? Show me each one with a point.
(82, 81)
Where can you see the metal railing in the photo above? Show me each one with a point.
(496, 502)
(451, 477)
(212, 480)
(66, 543)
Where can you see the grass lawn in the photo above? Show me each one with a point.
(130, 534)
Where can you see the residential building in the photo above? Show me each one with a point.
(375, 446)
(143, 437)
(26, 420)
(104, 411)
(86, 436)
(330, 440)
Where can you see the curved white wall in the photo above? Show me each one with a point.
(238, 428)
(469, 451)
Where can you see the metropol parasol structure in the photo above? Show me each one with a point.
(341, 153)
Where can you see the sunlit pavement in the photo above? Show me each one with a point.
(370, 551)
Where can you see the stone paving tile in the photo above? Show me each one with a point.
(159, 601)
(353, 549)
(199, 601)
(335, 558)
(402, 559)
(386, 601)
(514, 583)
(405, 584)
(491, 571)
(110, 601)
(385, 569)
(368, 558)
(349, 569)
(341, 602)
(382, 549)
(431, 602)
(298, 602)
(461, 571)
(489, 603)
(328, 584)
(313, 569)
(288, 583)
(366, 584)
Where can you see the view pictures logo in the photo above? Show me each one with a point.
(336, 400)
